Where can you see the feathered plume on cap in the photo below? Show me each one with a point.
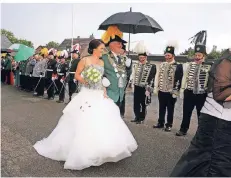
(171, 47)
(44, 51)
(200, 40)
(76, 48)
(58, 53)
(140, 49)
(52, 51)
(112, 34)
(63, 54)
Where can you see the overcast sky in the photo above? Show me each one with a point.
(41, 23)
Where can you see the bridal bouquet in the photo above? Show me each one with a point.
(92, 75)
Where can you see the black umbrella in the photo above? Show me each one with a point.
(132, 22)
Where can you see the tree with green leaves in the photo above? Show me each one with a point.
(13, 39)
(189, 52)
(52, 44)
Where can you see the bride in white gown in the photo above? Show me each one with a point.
(91, 131)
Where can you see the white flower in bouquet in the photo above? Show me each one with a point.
(92, 75)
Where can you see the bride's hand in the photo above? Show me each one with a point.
(105, 95)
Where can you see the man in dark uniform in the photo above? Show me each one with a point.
(50, 71)
(7, 67)
(3, 71)
(72, 83)
(143, 77)
(22, 71)
(195, 83)
(169, 81)
(61, 71)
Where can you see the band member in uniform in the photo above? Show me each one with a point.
(209, 153)
(28, 74)
(39, 73)
(168, 86)
(3, 71)
(22, 71)
(72, 83)
(115, 64)
(61, 71)
(195, 82)
(144, 76)
(51, 69)
(7, 67)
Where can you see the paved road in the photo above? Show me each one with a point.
(26, 119)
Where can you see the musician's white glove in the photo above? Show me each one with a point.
(20, 73)
(155, 90)
(106, 82)
(74, 80)
(128, 62)
(174, 95)
(147, 93)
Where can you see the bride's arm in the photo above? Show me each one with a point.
(79, 70)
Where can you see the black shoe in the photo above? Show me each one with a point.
(180, 133)
(158, 126)
(139, 122)
(60, 101)
(168, 129)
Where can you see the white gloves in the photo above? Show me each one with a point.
(155, 90)
(128, 62)
(106, 82)
(147, 93)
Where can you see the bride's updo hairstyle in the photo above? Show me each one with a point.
(94, 44)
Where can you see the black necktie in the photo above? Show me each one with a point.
(119, 59)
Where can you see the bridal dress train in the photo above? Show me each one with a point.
(89, 133)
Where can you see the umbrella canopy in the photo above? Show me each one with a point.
(132, 22)
(24, 52)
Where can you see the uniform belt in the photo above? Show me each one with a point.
(49, 69)
(60, 73)
(72, 72)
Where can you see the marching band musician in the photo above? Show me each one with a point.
(195, 82)
(39, 72)
(61, 71)
(168, 86)
(72, 83)
(51, 69)
(143, 77)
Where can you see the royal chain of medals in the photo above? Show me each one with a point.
(120, 69)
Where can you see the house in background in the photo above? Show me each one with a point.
(5, 43)
(83, 42)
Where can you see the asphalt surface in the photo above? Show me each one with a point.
(27, 119)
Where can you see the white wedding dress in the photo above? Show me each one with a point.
(89, 133)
